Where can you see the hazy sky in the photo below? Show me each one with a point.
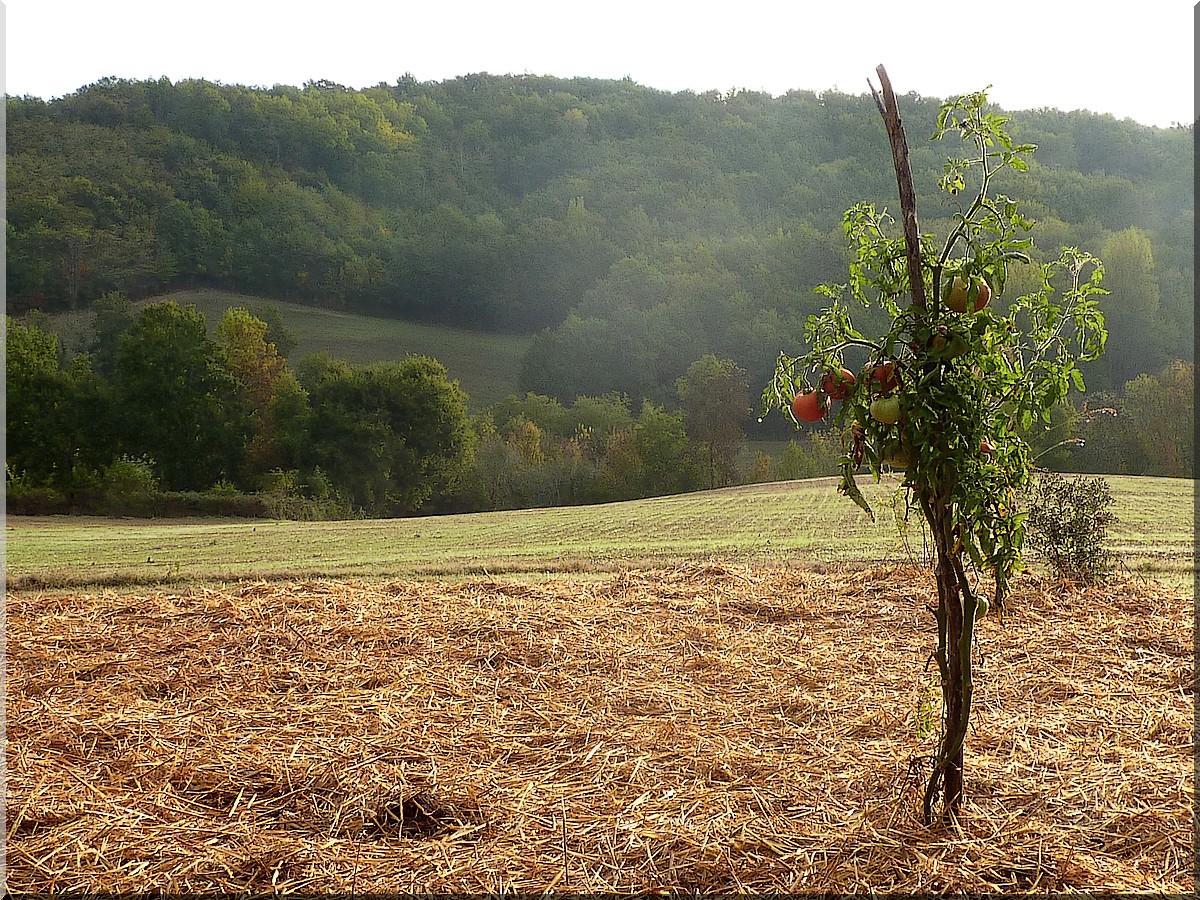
(1133, 60)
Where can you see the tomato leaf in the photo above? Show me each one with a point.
(850, 488)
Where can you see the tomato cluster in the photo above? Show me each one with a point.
(812, 406)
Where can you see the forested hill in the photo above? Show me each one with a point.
(636, 230)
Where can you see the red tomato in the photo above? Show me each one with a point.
(837, 384)
(884, 377)
(807, 407)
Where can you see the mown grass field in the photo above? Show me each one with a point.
(802, 523)
(486, 365)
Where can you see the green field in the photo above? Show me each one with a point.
(487, 366)
(803, 523)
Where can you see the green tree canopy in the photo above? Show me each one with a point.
(641, 229)
(177, 400)
(1139, 339)
(390, 436)
(58, 421)
(1158, 420)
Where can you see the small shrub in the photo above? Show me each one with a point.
(128, 487)
(22, 497)
(224, 488)
(210, 504)
(1068, 524)
(285, 495)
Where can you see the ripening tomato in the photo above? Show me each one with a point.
(955, 294)
(838, 384)
(883, 377)
(985, 295)
(807, 407)
(948, 344)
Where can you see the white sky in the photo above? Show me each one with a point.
(1133, 60)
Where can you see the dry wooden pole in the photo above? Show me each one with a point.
(954, 630)
(904, 180)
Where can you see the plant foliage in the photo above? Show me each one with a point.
(963, 379)
(1068, 520)
(952, 387)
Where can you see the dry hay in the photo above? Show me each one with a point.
(701, 729)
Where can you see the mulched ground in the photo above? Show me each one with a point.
(708, 728)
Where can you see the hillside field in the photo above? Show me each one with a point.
(487, 366)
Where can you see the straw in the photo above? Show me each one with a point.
(706, 728)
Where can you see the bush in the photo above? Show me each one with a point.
(209, 504)
(285, 495)
(22, 497)
(128, 487)
(1068, 524)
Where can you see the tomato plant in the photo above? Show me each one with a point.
(959, 388)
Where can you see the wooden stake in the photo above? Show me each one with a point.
(904, 180)
(954, 658)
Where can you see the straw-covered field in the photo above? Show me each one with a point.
(706, 728)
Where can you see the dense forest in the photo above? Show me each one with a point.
(661, 247)
(636, 230)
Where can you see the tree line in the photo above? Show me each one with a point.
(161, 417)
(634, 231)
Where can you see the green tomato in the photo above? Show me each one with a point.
(886, 410)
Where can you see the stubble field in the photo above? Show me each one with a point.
(703, 727)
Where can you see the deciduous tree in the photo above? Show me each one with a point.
(1138, 335)
(390, 435)
(716, 401)
(267, 387)
(1158, 418)
(178, 400)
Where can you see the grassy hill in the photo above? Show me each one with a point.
(487, 365)
(802, 523)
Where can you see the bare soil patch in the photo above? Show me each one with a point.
(707, 728)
